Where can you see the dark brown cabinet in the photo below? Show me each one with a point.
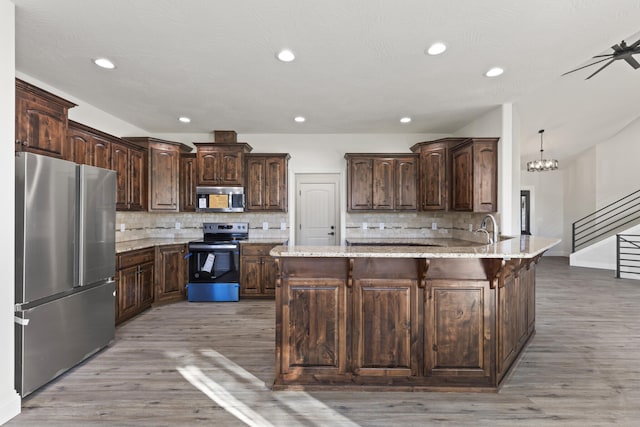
(134, 283)
(171, 273)
(458, 341)
(257, 270)
(221, 164)
(41, 121)
(459, 174)
(474, 175)
(163, 172)
(380, 182)
(187, 182)
(130, 162)
(433, 186)
(267, 182)
(88, 146)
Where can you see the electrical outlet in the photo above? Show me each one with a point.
(364, 225)
(265, 225)
(470, 227)
(122, 228)
(434, 225)
(177, 226)
(382, 226)
(283, 226)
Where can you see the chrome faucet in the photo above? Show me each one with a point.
(483, 227)
(484, 230)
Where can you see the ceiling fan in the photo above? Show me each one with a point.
(620, 51)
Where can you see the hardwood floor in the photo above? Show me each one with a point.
(182, 364)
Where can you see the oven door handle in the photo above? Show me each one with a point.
(208, 247)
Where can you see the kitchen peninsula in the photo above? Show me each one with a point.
(437, 316)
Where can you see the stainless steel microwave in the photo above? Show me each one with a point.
(219, 199)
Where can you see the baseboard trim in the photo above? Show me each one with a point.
(9, 407)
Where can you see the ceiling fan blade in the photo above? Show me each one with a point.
(617, 48)
(631, 61)
(588, 65)
(608, 55)
(635, 45)
(601, 68)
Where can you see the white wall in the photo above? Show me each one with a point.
(9, 399)
(548, 197)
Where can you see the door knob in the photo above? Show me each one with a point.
(331, 234)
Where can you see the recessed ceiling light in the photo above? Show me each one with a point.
(286, 55)
(184, 119)
(299, 119)
(436, 48)
(405, 120)
(104, 63)
(494, 72)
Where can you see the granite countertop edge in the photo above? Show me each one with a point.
(516, 247)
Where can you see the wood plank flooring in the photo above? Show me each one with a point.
(183, 364)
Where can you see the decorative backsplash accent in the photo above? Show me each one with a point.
(142, 225)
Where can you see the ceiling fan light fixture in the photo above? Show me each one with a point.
(436, 49)
(494, 72)
(542, 164)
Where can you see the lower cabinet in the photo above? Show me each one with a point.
(439, 324)
(171, 273)
(134, 283)
(257, 270)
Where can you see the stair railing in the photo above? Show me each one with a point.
(606, 221)
(627, 255)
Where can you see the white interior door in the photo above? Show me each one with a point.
(317, 209)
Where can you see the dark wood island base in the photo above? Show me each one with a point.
(407, 324)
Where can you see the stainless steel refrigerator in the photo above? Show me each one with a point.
(65, 266)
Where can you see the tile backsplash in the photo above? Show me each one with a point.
(416, 225)
(448, 225)
(142, 225)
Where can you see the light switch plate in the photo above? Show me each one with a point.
(364, 225)
(470, 227)
(177, 226)
(122, 228)
(382, 226)
(283, 226)
(265, 225)
(434, 225)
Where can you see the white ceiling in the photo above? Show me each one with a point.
(360, 64)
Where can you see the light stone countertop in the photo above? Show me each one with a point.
(414, 241)
(517, 247)
(132, 245)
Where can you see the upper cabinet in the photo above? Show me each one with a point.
(88, 146)
(381, 182)
(266, 182)
(41, 121)
(475, 175)
(221, 164)
(459, 174)
(163, 172)
(130, 162)
(187, 182)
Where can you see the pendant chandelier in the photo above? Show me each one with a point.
(542, 164)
